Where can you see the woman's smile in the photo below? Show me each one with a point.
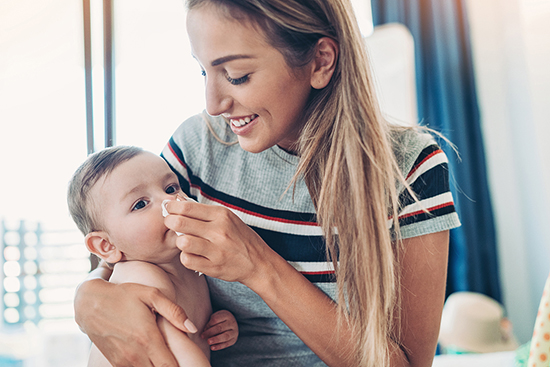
(241, 126)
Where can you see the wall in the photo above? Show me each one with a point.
(511, 56)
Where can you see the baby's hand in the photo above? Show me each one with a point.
(221, 330)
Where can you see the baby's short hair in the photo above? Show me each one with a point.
(86, 176)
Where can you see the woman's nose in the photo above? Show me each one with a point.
(217, 100)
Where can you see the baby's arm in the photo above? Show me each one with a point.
(186, 352)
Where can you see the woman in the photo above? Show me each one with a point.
(290, 80)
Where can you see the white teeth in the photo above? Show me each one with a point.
(242, 122)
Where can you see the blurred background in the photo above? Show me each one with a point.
(477, 71)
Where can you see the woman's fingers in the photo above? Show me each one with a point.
(216, 242)
(119, 320)
(186, 225)
(190, 209)
(160, 304)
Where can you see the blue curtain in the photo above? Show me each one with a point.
(447, 102)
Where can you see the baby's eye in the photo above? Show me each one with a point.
(140, 205)
(172, 189)
(237, 81)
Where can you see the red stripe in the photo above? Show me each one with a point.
(429, 210)
(274, 219)
(423, 161)
(176, 156)
(318, 272)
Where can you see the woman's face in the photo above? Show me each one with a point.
(247, 80)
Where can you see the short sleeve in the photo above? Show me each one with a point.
(433, 209)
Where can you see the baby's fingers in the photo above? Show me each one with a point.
(222, 341)
(212, 329)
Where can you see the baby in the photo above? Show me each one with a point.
(116, 199)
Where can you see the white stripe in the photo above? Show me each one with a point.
(428, 203)
(310, 267)
(272, 225)
(426, 166)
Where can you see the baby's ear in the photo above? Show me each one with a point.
(98, 243)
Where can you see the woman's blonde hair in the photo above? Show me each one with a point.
(347, 162)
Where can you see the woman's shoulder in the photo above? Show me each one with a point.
(408, 145)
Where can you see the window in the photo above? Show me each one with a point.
(42, 135)
(158, 83)
(43, 140)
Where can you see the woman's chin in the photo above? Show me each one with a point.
(253, 145)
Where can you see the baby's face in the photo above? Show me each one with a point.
(129, 204)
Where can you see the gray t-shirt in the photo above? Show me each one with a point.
(253, 186)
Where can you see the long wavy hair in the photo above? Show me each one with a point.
(347, 161)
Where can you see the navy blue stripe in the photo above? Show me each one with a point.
(424, 153)
(176, 149)
(254, 208)
(184, 184)
(425, 216)
(298, 248)
(431, 183)
(320, 278)
(293, 247)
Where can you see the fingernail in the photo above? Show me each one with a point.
(190, 326)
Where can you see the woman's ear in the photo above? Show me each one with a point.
(326, 57)
(98, 243)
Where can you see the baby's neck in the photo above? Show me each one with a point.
(175, 269)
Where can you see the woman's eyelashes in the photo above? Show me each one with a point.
(234, 81)
(237, 81)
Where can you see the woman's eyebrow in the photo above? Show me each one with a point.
(225, 59)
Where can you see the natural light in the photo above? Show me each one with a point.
(43, 140)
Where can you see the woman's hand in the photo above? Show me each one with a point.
(217, 242)
(221, 330)
(120, 320)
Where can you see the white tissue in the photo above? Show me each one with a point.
(165, 212)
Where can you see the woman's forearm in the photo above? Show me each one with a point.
(311, 314)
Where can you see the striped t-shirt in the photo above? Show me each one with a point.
(255, 186)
